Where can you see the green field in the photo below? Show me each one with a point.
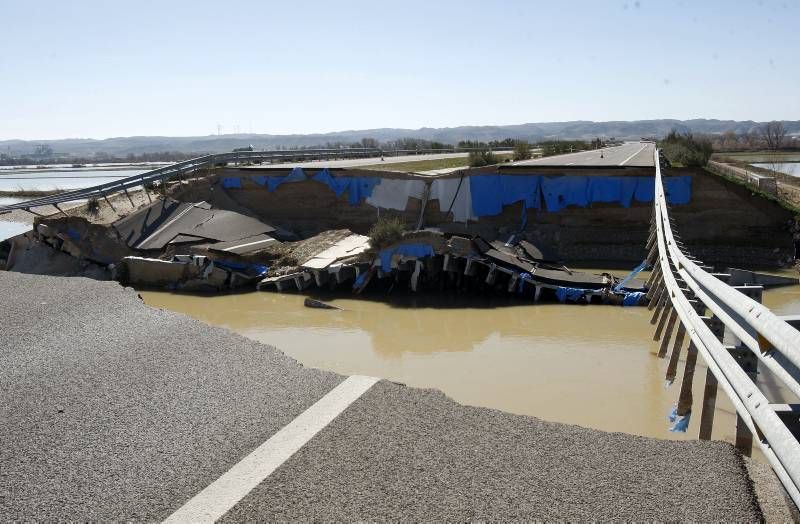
(417, 166)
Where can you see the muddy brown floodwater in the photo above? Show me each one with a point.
(594, 366)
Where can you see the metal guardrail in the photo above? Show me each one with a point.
(179, 169)
(681, 289)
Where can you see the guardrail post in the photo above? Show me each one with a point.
(673, 316)
(659, 305)
(108, 201)
(749, 363)
(668, 310)
(672, 367)
(685, 398)
(716, 326)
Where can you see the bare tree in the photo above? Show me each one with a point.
(774, 134)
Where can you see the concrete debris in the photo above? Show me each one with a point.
(428, 259)
(739, 277)
(318, 304)
(171, 222)
(186, 273)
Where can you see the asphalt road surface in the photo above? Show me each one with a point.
(356, 162)
(633, 154)
(112, 410)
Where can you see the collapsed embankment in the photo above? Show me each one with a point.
(523, 224)
(723, 223)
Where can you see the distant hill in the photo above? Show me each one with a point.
(451, 135)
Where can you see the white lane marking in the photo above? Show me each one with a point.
(225, 492)
(570, 164)
(633, 155)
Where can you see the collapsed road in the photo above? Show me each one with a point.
(114, 410)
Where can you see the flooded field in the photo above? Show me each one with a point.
(789, 168)
(595, 366)
(48, 180)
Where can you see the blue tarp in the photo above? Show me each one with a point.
(645, 189)
(360, 279)
(232, 182)
(409, 250)
(491, 192)
(487, 195)
(337, 185)
(573, 294)
(256, 269)
(680, 423)
(358, 188)
(361, 188)
(563, 191)
(632, 298)
(273, 182)
(678, 189)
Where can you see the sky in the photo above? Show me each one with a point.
(98, 69)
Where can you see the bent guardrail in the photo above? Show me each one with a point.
(187, 167)
(681, 289)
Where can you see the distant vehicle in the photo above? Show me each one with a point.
(241, 149)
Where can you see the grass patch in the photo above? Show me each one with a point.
(386, 231)
(93, 206)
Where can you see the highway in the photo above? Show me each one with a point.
(631, 154)
(113, 410)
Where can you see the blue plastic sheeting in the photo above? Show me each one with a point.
(360, 279)
(491, 192)
(573, 294)
(638, 269)
(73, 234)
(487, 195)
(358, 188)
(361, 188)
(233, 182)
(409, 250)
(632, 298)
(338, 185)
(679, 423)
(645, 189)
(257, 269)
(563, 191)
(678, 189)
(273, 182)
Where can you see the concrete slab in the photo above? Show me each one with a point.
(347, 247)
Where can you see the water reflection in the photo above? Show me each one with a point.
(46, 180)
(595, 366)
(11, 229)
(788, 168)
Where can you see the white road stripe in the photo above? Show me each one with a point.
(633, 155)
(225, 492)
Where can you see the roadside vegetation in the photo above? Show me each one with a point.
(686, 149)
(385, 232)
(482, 158)
(93, 206)
(522, 151)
